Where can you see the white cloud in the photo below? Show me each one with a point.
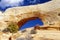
(5, 3)
(12, 1)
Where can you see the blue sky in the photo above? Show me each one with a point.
(5, 4)
(32, 23)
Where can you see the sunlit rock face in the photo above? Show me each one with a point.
(42, 34)
(4, 36)
(14, 3)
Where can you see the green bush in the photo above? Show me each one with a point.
(13, 27)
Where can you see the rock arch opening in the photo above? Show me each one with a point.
(23, 21)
